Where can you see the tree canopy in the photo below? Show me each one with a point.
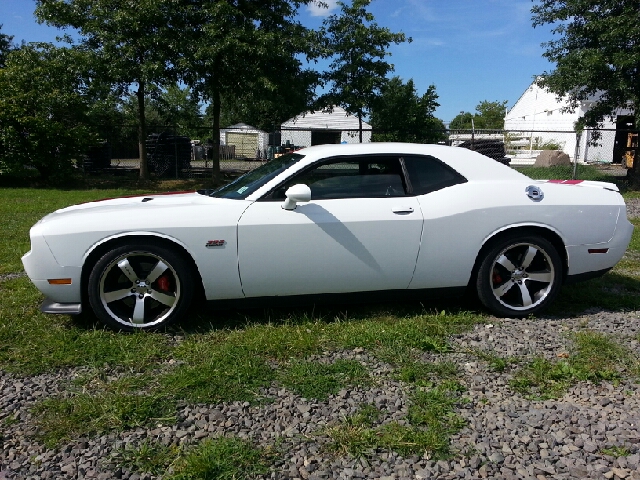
(357, 46)
(400, 115)
(488, 116)
(596, 52)
(137, 43)
(6, 44)
(43, 111)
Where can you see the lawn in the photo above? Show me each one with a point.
(217, 357)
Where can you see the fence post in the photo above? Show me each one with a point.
(576, 153)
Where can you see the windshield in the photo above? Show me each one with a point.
(248, 183)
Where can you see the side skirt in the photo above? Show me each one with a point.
(381, 296)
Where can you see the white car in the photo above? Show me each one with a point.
(332, 219)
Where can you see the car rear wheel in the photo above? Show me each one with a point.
(519, 275)
(140, 287)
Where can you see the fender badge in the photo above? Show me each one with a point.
(215, 243)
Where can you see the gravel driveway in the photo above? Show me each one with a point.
(507, 436)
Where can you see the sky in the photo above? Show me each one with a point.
(471, 50)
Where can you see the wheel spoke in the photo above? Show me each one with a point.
(506, 263)
(502, 289)
(116, 295)
(157, 271)
(546, 277)
(127, 269)
(138, 311)
(526, 297)
(528, 258)
(167, 300)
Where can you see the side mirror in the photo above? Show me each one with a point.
(295, 194)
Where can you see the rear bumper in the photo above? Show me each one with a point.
(583, 277)
(583, 263)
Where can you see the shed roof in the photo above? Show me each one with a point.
(335, 119)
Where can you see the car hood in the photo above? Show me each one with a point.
(142, 212)
(132, 204)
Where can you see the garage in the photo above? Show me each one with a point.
(248, 140)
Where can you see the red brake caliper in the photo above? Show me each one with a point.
(163, 283)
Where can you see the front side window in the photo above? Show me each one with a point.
(364, 177)
(251, 181)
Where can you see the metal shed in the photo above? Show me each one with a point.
(248, 140)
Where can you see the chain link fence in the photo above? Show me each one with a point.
(175, 152)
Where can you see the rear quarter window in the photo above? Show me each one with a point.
(428, 174)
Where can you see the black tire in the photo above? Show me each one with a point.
(519, 275)
(140, 287)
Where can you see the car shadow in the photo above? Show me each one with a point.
(612, 292)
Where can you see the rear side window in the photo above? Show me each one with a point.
(428, 174)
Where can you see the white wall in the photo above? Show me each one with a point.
(539, 113)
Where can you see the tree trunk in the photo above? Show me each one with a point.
(633, 174)
(142, 132)
(360, 126)
(215, 159)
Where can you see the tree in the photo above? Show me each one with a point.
(488, 116)
(358, 47)
(597, 54)
(43, 111)
(177, 107)
(462, 121)
(400, 115)
(491, 115)
(245, 54)
(6, 45)
(135, 41)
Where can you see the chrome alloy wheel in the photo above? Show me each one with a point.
(140, 289)
(522, 276)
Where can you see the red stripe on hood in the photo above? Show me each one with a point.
(566, 182)
(142, 195)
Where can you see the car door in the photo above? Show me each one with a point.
(360, 232)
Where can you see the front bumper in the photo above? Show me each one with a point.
(41, 267)
(49, 306)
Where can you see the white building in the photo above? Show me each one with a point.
(248, 140)
(317, 128)
(539, 117)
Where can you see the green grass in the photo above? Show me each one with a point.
(64, 419)
(222, 459)
(565, 172)
(431, 422)
(594, 357)
(149, 457)
(318, 380)
(616, 451)
(32, 343)
(426, 374)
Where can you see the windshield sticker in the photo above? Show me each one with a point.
(242, 190)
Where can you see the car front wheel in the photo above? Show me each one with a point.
(519, 275)
(140, 287)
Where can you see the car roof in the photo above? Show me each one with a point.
(472, 165)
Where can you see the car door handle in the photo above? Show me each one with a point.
(402, 210)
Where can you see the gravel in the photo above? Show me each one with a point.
(507, 436)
